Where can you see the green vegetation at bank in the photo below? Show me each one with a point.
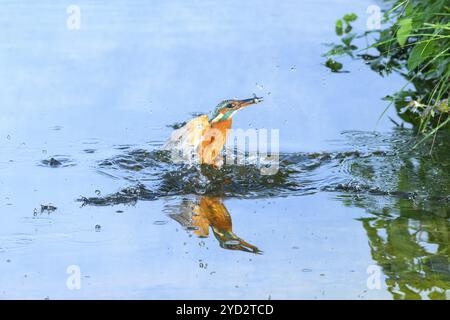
(413, 40)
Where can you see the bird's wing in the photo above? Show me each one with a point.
(189, 136)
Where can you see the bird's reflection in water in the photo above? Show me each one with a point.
(199, 215)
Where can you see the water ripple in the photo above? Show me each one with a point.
(368, 163)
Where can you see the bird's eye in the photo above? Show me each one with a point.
(229, 106)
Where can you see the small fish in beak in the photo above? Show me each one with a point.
(248, 102)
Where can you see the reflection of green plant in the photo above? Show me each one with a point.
(415, 41)
(412, 270)
(409, 238)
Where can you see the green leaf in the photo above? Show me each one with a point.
(350, 17)
(404, 31)
(337, 50)
(348, 28)
(333, 65)
(420, 53)
(408, 9)
(347, 40)
(339, 28)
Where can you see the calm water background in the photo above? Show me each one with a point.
(133, 69)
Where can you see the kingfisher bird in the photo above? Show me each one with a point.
(203, 138)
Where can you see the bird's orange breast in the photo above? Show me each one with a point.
(213, 142)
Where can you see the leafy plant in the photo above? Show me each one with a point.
(414, 41)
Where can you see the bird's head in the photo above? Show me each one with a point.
(227, 108)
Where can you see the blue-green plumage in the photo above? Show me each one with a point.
(221, 106)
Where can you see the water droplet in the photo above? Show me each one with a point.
(8, 137)
(48, 207)
(98, 228)
(98, 192)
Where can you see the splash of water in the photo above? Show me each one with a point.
(368, 164)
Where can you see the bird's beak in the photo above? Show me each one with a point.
(247, 102)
